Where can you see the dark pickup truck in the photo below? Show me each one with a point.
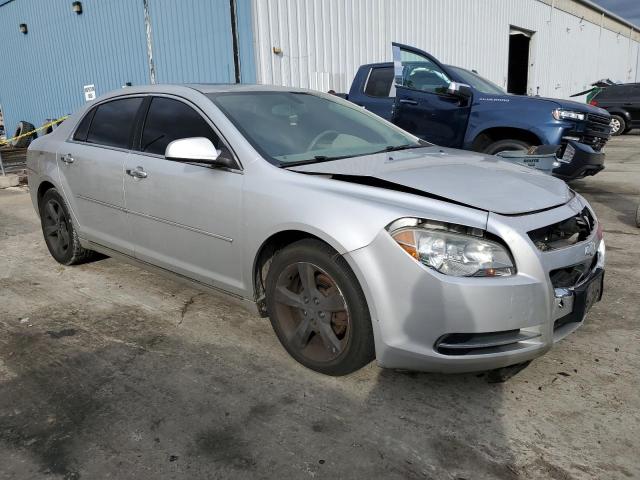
(454, 107)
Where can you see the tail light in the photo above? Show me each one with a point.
(594, 103)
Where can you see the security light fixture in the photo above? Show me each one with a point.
(23, 28)
(77, 7)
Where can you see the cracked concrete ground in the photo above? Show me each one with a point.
(108, 371)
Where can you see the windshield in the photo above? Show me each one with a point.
(477, 82)
(290, 128)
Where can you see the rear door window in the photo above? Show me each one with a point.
(379, 82)
(617, 93)
(83, 127)
(168, 120)
(113, 122)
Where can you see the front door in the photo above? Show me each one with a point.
(184, 217)
(422, 105)
(91, 166)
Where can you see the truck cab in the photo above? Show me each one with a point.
(454, 107)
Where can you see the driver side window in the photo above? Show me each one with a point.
(168, 120)
(425, 76)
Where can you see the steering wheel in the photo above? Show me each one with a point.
(331, 134)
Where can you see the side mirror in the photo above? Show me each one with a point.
(197, 150)
(461, 90)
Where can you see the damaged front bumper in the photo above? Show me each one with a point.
(579, 160)
(424, 320)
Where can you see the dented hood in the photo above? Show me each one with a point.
(480, 181)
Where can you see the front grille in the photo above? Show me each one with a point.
(565, 233)
(568, 277)
(599, 122)
(597, 131)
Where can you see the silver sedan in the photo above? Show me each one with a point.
(357, 239)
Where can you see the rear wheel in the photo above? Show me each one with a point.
(506, 145)
(318, 309)
(618, 125)
(59, 232)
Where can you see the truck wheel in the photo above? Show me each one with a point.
(506, 146)
(318, 310)
(618, 125)
(23, 127)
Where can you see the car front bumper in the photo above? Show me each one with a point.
(418, 313)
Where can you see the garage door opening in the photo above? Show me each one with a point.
(518, 73)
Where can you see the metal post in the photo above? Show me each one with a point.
(1, 165)
(147, 25)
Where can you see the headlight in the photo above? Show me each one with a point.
(450, 250)
(560, 114)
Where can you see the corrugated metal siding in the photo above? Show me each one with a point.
(244, 16)
(324, 41)
(43, 72)
(192, 41)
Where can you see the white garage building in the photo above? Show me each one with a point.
(548, 47)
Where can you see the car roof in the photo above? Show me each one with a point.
(239, 87)
(204, 88)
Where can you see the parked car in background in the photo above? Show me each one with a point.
(454, 107)
(623, 103)
(355, 237)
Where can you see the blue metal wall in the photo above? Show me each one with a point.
(42, 74)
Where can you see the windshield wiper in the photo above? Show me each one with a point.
(316, 159)
(324, 158)
(395, 148)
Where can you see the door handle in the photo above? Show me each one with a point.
(68, 159)
(137, 172)
(408, 101)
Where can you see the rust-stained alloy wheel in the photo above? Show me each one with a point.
(312, 312)
(318, 310)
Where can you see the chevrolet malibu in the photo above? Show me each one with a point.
(357, 239)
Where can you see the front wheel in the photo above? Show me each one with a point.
(318, 310)
(506, 146)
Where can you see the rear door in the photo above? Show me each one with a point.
(422, 105)
(91, 165)
(185, 217)
(376, 91)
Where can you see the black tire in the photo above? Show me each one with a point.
(351, 326)
(506, 145)
(618, 125)
(63, 242)
(23, 142)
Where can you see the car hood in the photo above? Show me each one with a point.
(480, 181)
(531, 101)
